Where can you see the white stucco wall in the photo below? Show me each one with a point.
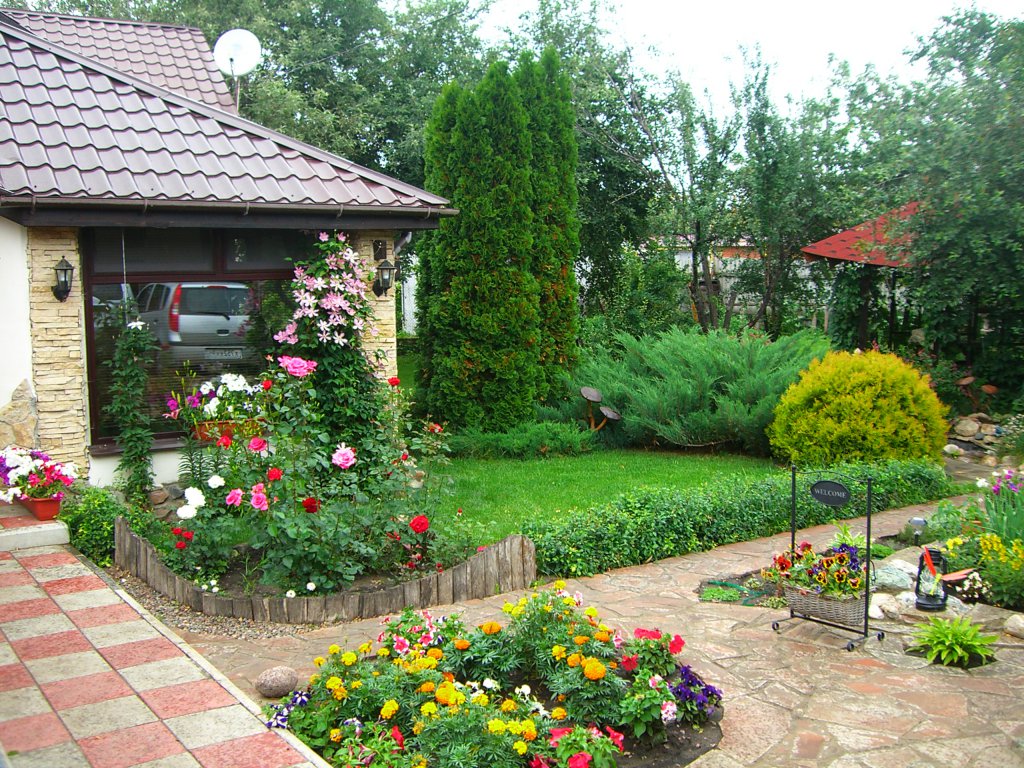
(14, 308)
(103, 469)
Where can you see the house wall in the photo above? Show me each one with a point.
(383, 306)
(14, 301)
(58, 346)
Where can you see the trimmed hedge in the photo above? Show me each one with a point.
(527, 441)
(654, 523)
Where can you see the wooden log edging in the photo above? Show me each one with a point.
(507, 566)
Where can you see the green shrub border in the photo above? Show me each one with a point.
(651, 524)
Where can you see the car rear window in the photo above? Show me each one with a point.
(213, 300)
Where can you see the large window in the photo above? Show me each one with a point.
(213, 299)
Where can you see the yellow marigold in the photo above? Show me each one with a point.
(507, 607)
(590, 611)
(427, 687)
(603, 637)
(417, 728)
(332, 683)
(435, 653)
(333, 649)
(558, 652)
(319, 661)
(357, 684)
(461, 643)
(559, 584)
(365, 647)
(568, 601)
(481, 699)
(389, 709)
(508, 705)
(580, 639)
(382, 652)
(530, 729)
(558, 713)
(348, 658)
(514, 727)
(335, 734)
(594, 670)
(497, 726)
(546, 608)
(429, 709)
(445, 693)
(375, 673)
(519, 747)
(314, 679)
(574, 660)
(490, 627)
(340, 693)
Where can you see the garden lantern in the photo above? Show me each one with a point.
(385, 277)
(930, 589)
(918, 524)
(65, 272)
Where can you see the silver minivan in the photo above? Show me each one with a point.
(200, 323)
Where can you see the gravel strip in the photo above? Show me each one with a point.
(181, 617)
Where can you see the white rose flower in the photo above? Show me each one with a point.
(290, 593)
(215, 481)
(194, 497)
(215, 589)
(311, 587)
(186, 512)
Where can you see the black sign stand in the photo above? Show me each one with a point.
(833, 493)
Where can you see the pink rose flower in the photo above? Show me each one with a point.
(257, 445)
(344, 456)
(234, 498)
(296, 366)
(259, 501)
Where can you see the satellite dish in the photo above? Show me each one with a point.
(237, 52)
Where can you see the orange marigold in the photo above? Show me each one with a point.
(490, 627)
(461, 643)
(427, 687)
(574, 660)
(435, 653)
(604, 637)
(580, 639)
(594, 670)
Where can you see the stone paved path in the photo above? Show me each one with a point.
(793, 698)
(88, 678)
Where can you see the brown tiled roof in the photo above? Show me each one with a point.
(77, 132)
(866, 243)
(176, 58)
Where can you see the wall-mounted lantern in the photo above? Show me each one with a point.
(65, 275)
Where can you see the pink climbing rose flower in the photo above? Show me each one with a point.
(234, 498)
(258, 445)
(296, 366)
(344, 456)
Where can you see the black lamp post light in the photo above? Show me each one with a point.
(65, 275)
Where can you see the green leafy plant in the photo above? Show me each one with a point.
(89, 513)
(858, 407)
(716, 594)
(953, 642)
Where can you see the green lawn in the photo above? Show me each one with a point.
(497, 496)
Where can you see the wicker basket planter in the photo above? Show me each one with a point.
(848, 611)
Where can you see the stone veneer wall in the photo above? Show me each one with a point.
(383, 306)
(58, 347)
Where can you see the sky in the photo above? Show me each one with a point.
(703, 40)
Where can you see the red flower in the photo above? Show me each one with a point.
(435, 428)
(394, 381)
(646, 634)
(419, 524)
(580, 760)
(629, 662)
(405, 457)
(267, 384)
(676, 644)
(616, 737)
(310, 504)
(176, 531)
(187, 535)
(397, 736)
(180, 545)
(224, 441)
(274, 474)
(539, 762)
(558, 733)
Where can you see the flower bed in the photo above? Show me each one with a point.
(552, 687)
(31, 474)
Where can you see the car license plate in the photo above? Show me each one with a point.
(223, 354)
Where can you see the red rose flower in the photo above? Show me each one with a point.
(224, 441)
(176, 531)
(274, 474)
(394, 381)
(187, 535)
(676, 644)
(310, 504)
(419, 524)
(629, 662)
(267, 384)
(180, 544)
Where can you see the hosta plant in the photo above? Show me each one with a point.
(953, 642)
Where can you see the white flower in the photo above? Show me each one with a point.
(186, 512)
(982, 482)
(290, 593)
(311, 587)
(523, 691)
(203, 587)
(215, 589)
(137, 325)
(215, 481)
(210, 409)
(489, 684)
(195, 497)
(205, 388)
(213, 582)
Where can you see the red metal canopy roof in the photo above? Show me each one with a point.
(861, 243)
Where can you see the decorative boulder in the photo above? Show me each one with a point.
(891, 578)
(276, 682)
(1015, 625)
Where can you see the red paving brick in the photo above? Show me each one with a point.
(18, 522)
(131, 654)
(6, 556)
(73, 584)
(187, 698)
(121, 749)
(265, 750)
(105, 614)
(48, 560)
(16, 579)
(15, 676)
(88, 689)
(33, 732)
(57, 644)
(28, 609)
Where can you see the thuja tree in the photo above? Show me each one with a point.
(553, 200)
(482, 308)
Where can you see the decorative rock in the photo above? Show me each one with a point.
(1015, 625)
(883, 606)
(953, 450)
(892, 578)
(967, 428)
(18, 418)
(276, 682)
(990, 461)
(158, 496)
(174, 491)
(982, 418)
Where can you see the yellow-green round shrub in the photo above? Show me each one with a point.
(858, 407)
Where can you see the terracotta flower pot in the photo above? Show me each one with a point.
(42, 509)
